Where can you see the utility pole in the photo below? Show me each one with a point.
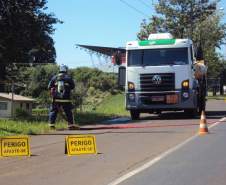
(12, 99)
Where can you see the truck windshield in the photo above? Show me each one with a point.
(158, 57)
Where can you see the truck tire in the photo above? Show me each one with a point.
(191, 112)
(135, 115)
(158, 112)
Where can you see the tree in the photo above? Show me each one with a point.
(155, 26)
(180, 18)
(25, 33)
(193, 19)
(39, 79)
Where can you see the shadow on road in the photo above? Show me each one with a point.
(181, 116)
(166, 116)
(144, 132)
(215, 114)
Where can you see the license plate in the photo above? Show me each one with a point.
(157, 98)
(172, 99)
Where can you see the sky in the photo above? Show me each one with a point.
(109, 23)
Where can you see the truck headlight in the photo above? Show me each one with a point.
(185, 84)
(131, 86)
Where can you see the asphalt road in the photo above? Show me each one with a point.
(202, 161)
(123, 146)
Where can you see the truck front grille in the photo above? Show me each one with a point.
(148, 82)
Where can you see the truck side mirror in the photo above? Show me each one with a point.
(122, 76)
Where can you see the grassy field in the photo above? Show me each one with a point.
(16, 127)
(111, 107)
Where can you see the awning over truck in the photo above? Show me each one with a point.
(108, 51)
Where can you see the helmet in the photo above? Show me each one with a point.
(63, 68)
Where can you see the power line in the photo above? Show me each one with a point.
(144, 3)
(132, 7)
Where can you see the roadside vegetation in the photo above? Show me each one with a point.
(24, 127)
(111, 107)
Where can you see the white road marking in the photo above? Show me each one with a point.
(160, 157)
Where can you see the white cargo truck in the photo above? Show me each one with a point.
(160, 76)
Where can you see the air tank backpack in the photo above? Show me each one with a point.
(60, 86)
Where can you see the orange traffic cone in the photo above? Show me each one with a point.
(203, 129)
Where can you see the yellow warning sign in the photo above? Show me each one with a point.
(15, 146)
(81, 144)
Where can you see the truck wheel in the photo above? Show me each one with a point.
(191, 112)
(135, 115)
(158, 112)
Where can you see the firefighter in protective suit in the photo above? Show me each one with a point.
(60, 87)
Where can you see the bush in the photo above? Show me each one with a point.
(40, 112)
(92, 86)
(22, 114)
(91, 91)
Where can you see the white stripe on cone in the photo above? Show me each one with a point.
(203, 126)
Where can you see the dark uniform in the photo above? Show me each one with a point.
(60, 87)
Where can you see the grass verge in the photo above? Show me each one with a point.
(19, 127)
(111, 107)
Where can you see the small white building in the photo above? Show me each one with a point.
(9, 103)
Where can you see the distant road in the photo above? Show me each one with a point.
(121, 151)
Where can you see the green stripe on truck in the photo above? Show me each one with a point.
(157, 42)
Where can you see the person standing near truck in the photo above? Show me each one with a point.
(60, 87)
(200, 73)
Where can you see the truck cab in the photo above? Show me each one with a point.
(160, 75)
